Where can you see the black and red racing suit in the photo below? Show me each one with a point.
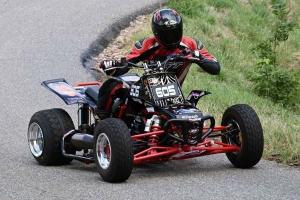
(149, 49)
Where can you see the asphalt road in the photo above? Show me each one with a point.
(42, 40)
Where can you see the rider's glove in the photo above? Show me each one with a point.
(106, 64)
(192, 54)
(198, 55)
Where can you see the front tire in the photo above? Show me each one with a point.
(113, 150)
(45, 131)
(245, 131)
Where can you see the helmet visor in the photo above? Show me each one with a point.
(169, 36)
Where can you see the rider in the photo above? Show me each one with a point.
(167, 39)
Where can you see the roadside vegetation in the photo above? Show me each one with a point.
(232, 30)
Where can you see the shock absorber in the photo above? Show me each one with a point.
(153, 140)
(84, 117)
(154, 122)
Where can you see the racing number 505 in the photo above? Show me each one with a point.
(165, 91)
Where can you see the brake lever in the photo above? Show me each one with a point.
(193, 59)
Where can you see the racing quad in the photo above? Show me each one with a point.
(151, 121)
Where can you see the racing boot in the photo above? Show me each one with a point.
(102, 114)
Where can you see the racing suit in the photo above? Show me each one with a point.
(148, 49)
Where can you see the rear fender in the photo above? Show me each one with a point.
(195, 95)
(65, 91)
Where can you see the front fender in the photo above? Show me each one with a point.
(195, 95)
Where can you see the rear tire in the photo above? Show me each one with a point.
(45, 132)
(247, 134)
(113, 150)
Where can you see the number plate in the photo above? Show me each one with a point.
(165, 91)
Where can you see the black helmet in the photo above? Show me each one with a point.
(167, 28)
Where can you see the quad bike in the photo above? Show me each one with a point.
(151, 121)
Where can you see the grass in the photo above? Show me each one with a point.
(229, 29)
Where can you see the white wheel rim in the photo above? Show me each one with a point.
(35, 139)
(103, 151)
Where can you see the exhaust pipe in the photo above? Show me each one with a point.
(82, 141)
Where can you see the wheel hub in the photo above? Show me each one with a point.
(35, 139)
(103, 151)
(234, 137)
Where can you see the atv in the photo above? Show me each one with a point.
(150, 122)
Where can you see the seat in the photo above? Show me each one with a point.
(92, 92)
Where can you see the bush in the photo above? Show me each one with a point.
(277, 83)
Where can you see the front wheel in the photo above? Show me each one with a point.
(113, 150)
(244, 130)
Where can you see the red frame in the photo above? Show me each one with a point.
(177, 152)
(88, 84)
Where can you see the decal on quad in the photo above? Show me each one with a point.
(65, 91)
(165, 89)
(174, 65)
(135, 90)
(63, 88)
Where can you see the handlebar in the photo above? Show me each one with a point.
(161, 66)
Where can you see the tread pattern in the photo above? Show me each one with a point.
(55, 123)
(252, 135)
(122, 150)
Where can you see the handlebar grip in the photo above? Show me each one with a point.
(116, 67)
(193, 59)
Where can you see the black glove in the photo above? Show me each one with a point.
(188, 53)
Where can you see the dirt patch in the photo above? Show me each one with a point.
(119, 46)
(296, 61)
(245, 3)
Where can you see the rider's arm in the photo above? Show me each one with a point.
(141, 51)
(208, 62)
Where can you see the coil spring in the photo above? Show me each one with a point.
(155, 128)
(153, 140)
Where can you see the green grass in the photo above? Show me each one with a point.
(229, 29)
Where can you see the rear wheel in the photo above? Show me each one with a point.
(45, 132)
(245, 130)
(113, 151)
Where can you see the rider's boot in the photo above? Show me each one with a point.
(102, 114)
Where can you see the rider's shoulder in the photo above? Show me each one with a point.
(145, 43)
(191, 42)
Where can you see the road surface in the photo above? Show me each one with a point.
(41, 40)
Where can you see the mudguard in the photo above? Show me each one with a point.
(65, 91)
(195, 95)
